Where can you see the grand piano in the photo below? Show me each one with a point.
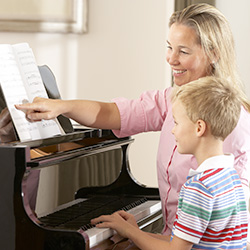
(67, 226)
(90, 175)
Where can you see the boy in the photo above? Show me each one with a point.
(212, 212)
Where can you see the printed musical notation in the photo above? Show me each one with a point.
(21, 81)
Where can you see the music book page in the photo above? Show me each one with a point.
(21, 82)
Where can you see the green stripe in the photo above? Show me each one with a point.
(194, 210)
(229, 211)
(216, 214)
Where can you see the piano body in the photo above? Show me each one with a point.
(101, 180)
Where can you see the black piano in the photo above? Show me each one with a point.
(90, 176)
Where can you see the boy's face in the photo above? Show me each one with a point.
(184, 130)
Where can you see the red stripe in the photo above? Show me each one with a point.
(212, 173)
(170, 162)
(216, 234)
(225, 238)
(239, 228)
(198, 191)
(189, 230)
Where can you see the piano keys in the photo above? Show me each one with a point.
(75, 216)
(94, 179)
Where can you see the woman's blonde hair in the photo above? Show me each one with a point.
(215, 36)
(213, 100)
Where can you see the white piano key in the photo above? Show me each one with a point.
(142, 211)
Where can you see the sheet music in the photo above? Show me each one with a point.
(21, 82)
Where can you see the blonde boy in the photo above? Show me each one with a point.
(212, 212)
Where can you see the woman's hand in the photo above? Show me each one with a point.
(88, 113)
(41, 109)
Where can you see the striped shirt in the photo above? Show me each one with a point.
(212, 212)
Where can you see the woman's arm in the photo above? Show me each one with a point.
(89, 113)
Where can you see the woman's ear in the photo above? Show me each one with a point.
(215, 57)
(201, 128)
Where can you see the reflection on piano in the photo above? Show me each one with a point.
(94, 179)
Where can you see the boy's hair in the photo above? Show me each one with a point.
(212, 100)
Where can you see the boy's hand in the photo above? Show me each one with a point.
(120, 221)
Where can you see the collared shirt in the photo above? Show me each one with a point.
(152, 111)
(221, 161)
(212, 211)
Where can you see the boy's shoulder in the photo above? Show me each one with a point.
(214, 180)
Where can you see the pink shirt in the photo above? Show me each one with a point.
(153, 112)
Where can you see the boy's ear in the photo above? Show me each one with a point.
(201, 128)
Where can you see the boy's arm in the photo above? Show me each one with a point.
(121, 223)
(145, 241)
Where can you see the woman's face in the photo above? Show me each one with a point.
(185, 55)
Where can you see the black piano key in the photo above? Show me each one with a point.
(74, 211)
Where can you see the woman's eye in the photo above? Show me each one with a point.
(184, 52)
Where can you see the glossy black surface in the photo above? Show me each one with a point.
(91, 154)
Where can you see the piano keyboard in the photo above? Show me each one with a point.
(142, 211)
(77, 216)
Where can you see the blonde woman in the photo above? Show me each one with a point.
(200, 43)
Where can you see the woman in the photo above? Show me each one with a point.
(200, 43)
